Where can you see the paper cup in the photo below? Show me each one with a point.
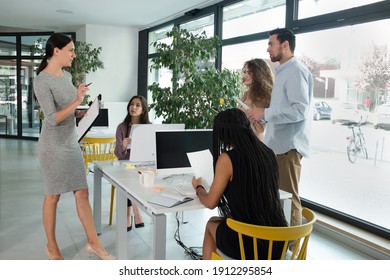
(146, 178)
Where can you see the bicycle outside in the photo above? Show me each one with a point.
(357, 143)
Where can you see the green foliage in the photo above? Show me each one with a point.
(197, 86)
(87, 61)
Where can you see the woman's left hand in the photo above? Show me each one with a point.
(196, 182)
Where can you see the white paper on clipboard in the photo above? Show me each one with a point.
(202, 165)
(87, 120)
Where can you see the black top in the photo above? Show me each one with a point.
(226, 238)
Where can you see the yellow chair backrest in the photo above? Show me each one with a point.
(98, 149)
(299, 235)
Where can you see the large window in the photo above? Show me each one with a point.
(350, 63)
(204, 24)
(252, 16)
(159, 35)
(360, 69)
(310, 8)
(19, 60)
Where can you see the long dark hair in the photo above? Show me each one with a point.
(262, 80)
(144, 118)
(56, 40)
(258, 167)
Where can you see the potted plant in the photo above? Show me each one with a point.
(198, 89)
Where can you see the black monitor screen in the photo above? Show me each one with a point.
(101, 120)
(172, 146)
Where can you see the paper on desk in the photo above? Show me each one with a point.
(202, 165)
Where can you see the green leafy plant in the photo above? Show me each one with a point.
(198, 89)
(87, 61)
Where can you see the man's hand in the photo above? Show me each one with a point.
(255, 114)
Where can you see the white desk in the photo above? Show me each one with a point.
(127, 185)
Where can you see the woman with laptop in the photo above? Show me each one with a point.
(137, 113)
(244, 188)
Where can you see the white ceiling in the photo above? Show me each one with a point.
(52, 15)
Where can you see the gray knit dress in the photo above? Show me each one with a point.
(60, 157)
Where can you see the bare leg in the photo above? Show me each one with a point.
(209, 241)
(49, 211)
(129, 216)
(137, 215)
(84, 212)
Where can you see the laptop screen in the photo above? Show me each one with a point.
(172, 148)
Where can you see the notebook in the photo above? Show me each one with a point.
(168, 199)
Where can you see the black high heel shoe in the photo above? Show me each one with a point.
(139, 225)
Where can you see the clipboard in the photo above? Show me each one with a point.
(87, 120)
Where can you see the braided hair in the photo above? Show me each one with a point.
(257, 167)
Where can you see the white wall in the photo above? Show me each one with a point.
(117, 82)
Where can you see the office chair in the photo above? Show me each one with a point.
(100, 149)
(97, 149)
(299, 235)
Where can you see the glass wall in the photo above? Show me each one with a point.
(350, 62)
(328, 177)
(248, 17)
(19, 111)
(8, 86)
(197, 26)
(310, 8)
(159, 35)
(8, 97)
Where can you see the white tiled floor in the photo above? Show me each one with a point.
(22, 236)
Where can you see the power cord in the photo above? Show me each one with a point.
(193, 252)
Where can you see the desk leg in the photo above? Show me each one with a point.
(121, 224)
(159, 236)
(97, 199)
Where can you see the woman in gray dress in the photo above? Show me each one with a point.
(60, 157)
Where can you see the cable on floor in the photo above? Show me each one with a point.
(193, 252)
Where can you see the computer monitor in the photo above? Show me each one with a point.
(102, 119)
(172, 148)
(143, 140)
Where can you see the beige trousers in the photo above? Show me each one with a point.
(289, 174)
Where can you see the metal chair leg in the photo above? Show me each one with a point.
(112, 204)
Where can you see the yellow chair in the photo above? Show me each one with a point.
(100, 149)
(299, 235)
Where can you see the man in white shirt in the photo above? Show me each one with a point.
(288, 116)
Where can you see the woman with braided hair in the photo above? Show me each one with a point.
(245, 186)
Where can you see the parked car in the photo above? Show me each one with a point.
(382, 117)
(321, 110)
(349, 112)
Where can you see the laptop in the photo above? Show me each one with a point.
(143, 140)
